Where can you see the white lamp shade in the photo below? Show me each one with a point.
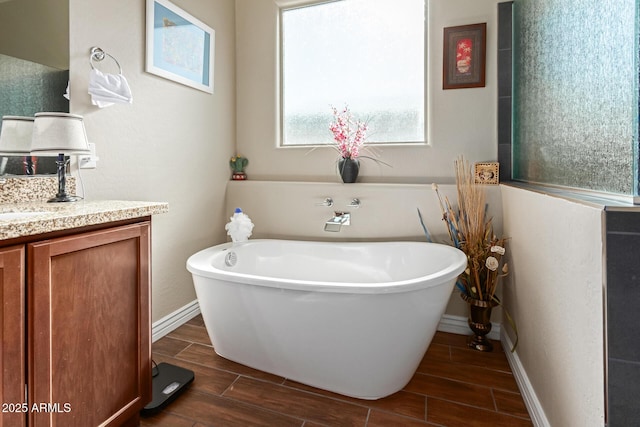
(55, 133)
(15, 135)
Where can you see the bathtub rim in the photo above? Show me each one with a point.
(440, 277)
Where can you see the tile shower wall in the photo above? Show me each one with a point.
(575, 93)
(25, 89)
(623, 321)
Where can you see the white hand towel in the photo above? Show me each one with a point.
(107, 89)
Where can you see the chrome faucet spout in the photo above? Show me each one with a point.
(339, 219)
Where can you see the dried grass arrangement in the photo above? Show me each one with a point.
(471, 230)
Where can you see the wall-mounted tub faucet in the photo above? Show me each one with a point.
(335, 224)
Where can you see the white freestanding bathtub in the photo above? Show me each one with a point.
(351, 318)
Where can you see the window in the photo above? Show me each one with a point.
(367, 54)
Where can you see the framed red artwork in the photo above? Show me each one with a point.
(464, 56)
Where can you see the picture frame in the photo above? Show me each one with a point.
(487, 173)
(179, 47)
(464, 56)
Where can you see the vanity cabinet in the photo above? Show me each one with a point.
(76, 328)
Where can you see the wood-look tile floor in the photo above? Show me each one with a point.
(454, 386)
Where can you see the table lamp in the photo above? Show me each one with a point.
(15, 139)
(59, 134)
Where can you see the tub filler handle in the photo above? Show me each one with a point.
(355, 203)
(328, 202)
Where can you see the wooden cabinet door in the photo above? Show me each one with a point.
(89, 348)
(12, 350)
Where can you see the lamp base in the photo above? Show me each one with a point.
(64, 198)
(62, 195)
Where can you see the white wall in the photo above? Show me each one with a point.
(291, 210)
(555, 295)
(172, 144)
(462, 121)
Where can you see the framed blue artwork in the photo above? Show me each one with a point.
(180, 47)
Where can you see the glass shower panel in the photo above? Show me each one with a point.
(576, 94)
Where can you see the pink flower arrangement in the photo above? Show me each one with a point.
(348, 133)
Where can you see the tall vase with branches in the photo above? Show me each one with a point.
(471, 230)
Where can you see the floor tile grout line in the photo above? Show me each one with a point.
(183, 350)
(311, 392)
(506, 369)
(468, 405)
(403, 416)
(426, 408)
(225, 370)
(439, 375)
(491, 387)
(252, 405)
(208, 344)
(366, 420)
(363, 402)
(230, 386)
(493, 398)
(143, 419)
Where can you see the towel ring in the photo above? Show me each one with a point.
(98, 55)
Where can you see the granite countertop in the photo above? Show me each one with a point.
(47, 217)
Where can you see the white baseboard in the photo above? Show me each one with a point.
(174, 320)
(458, 325)
(538, 417)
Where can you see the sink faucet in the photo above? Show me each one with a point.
(335, 224)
